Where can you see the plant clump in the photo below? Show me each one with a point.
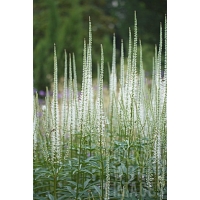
(84, 151)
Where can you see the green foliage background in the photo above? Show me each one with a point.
(65, 23)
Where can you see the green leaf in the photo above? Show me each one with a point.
(94, 165)
(72, 182)
(50, 196)
(124, 169)
(41, 186)
(87, 171)
(88, 159)
(86, 183)
(75, 171)
(97, 189)
(64, 197)
(70, 190)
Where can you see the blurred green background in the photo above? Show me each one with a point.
(65, 23)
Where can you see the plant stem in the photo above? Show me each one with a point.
(55, 186)
(102, 171)
(79, 162)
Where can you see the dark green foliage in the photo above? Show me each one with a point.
(64, 23)
(124, 172)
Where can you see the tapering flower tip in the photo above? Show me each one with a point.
(114, 43)
(69, 62)
(135, 16)
(90, 30)
(140, 42)
(166, 24)
(129, 32)
(54, 49)
(161, 33)
(47, 91)
(102, 56)
(160, 27)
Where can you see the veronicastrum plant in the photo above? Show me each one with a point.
(84, 151)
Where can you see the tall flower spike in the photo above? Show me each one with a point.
(141, 89)
(113, 90)
(122, 86)
(64, 103)
(154, 83)
(134, 69)
(113, 72)
(133, 80)
(100, 122)
(113, 78)
(129, 61)
(165, 62)
(75, 79)
(71, 98)
(35, 124)
(81, 101)
(165, 59)
(101, 75)
(122, 66)
(159, 95)
(55, 134)
(90, 88)
(48, 116)
(160, 53)
(128, 86)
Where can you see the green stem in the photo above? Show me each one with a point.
(127, 165)
(101, 164)
(55, 185)
(141, 184)
(156, 180)
(79, 162)
(102, 171)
